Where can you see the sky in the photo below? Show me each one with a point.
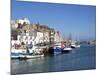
(79, 21)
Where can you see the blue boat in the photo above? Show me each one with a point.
(56, 49)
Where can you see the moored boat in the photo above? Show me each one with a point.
(67, 49)
(75, 46)
(56, 49)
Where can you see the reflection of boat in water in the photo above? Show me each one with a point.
(24, 56)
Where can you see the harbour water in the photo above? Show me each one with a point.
(82, 58)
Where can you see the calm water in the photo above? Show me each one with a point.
(79, 59)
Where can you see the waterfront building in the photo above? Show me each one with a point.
(24, 33)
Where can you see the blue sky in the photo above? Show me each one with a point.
(77, 20)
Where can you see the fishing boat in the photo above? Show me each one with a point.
(56, 49)
(27, 53)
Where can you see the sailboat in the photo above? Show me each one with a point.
(75, 44)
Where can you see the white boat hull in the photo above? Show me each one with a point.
(67, 49)
(75, 46)
(78, 46)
